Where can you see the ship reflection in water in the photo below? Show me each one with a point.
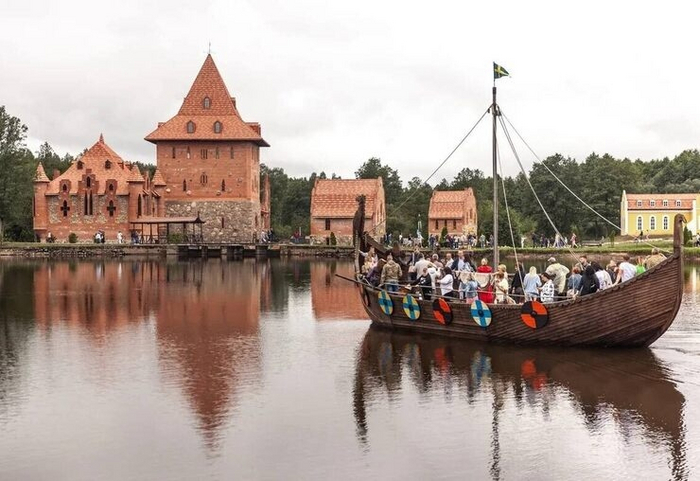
(626, 389)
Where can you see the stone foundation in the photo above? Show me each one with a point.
(241, 218)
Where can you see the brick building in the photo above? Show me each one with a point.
(99, 191)
(209, 159)
(333, 207)
(453, 209)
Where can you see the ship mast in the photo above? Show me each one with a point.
(495, 113)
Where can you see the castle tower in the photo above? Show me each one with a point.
(209, 161)
(41, 213)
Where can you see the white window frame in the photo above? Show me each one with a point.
(652, 203)
(665, 222)
(639, 203)
(665, 202)
(678, 203)
(652, 222)
(640, 222)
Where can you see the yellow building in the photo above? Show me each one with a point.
(653, 214)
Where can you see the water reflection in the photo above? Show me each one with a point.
(631, 388)
(332, 297)
(205, 318)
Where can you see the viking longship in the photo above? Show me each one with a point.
(629, 314)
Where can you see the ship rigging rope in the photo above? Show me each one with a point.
(522, 169)
(567, 187)
(510, 224)
(408, 197)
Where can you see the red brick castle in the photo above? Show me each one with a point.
(208, 165)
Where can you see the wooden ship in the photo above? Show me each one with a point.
(630, 314)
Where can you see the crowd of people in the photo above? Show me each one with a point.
(458, 278)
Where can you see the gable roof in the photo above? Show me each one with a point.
(208, 84)
(451, 204)
(95, 160)
(335, 198)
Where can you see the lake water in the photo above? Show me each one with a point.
(150, 370)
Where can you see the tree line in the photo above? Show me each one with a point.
(598, 180)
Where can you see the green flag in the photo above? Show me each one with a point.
(499, 71)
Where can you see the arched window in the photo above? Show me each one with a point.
(639, 222)
(652, 223)
(108, 164)
(203, 178)
(665, 202)
(80, 165)
(64, 188)
(65, 208)
(665, 222)
(88, 182)
(217, 127)
(111, 208)
(652, 203)
(206, 103)
(184, 186)
(190, 127)
(223, 186)
(139, 207)
(111, 187)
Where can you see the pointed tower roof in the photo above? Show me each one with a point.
(158, 179)
(135, 175)
(41, 174)
(208, 102)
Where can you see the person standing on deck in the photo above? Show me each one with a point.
(548, 291)
(531, 284)
(626, 270)
(558, 273)
(654, 259)
(391, 273)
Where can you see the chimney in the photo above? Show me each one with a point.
(56, 173)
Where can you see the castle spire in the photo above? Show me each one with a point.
(102, 139)
(41, 174)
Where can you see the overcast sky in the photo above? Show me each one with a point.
(334, 83)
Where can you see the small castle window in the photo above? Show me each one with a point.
(223, 186)
(665, 203)
(204, 153)
(188, 152)
(652, 203)
(232, 152)
(639, 203)
(184, 186)
(203, 179)
(80, 165)
(207, 103)
(88, 182)
(217, 127)
(328, 224)
(222, 223)
(64, 188)
(111, 208)
(108, 164)
(454, 224)
(190, 127)
(111, 187)
(678, 203)
(173, 154)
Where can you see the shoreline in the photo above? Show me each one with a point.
(84, 251)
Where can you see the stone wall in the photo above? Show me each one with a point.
(241, 218)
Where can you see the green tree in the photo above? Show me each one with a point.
(374, 168)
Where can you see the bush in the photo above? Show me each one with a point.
(72, 237)
(443, 235)
(334, 241)
(687, 236)
(176, 238)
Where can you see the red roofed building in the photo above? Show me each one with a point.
(99, 191)
(333, 207)
(209, 159)
(652, 214)
(453, 209)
